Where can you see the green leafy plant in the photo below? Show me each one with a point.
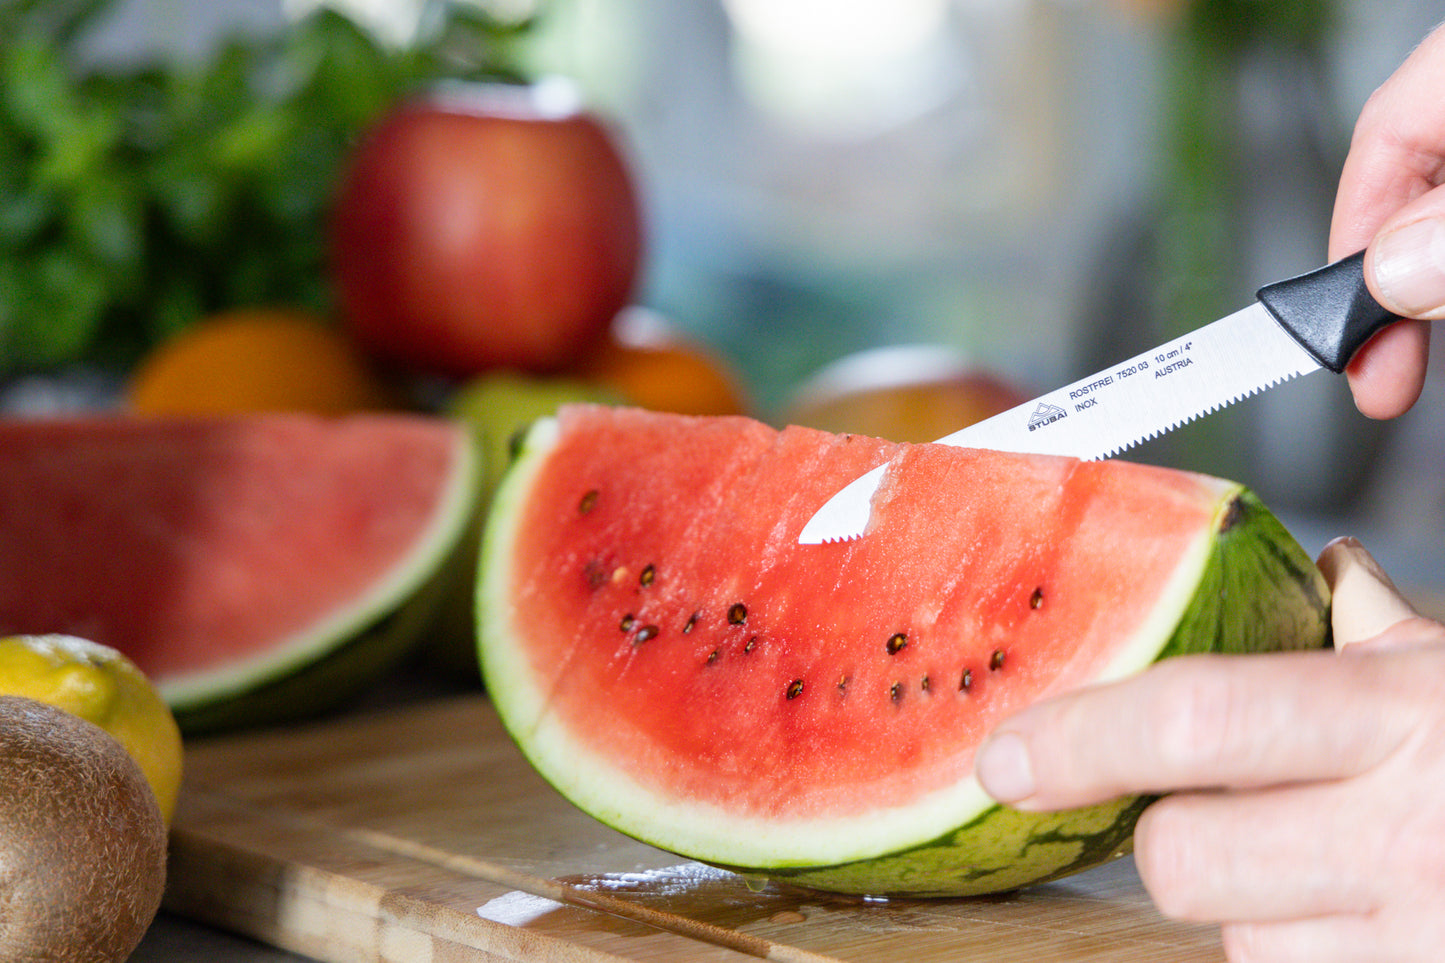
(136, 201)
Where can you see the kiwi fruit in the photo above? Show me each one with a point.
(82, 841)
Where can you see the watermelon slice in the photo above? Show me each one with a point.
(256, 568)
(671, 660)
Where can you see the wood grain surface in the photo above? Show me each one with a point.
(421, 835)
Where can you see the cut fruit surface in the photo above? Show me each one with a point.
(223, 556)
(672, 660)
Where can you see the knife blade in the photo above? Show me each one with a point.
(1294, 327)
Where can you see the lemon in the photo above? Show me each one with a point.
(103, 687)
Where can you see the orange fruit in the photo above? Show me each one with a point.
(912, 393)
(257, 359)
(669, 373)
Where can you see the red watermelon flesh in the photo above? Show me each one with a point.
(819, 619)
(673, 661)
(218, 554)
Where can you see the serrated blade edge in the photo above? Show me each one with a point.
(1114, 409)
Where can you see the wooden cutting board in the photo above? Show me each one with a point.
(421, 835)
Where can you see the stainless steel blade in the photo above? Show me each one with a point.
(1114, 409)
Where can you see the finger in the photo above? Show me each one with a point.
(1405, 262)
(1405, 271)
(1387, 374)
(1305, 852)
(1416, 633)
(1198, 722)
(1402, 933)
(1364, 600)
(1388, 202)
(1397, 149)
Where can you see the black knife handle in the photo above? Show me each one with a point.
(1329, 310)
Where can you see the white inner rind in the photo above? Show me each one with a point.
(706, 831)
(389, 592)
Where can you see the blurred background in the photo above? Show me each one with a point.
(1039, 186)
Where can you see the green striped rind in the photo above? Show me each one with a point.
(330, 681)
(1259, 592)
(362, 644)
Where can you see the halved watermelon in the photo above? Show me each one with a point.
(254, 568)
(672, 661)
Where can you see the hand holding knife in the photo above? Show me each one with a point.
(1297, 326)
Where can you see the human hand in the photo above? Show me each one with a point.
(1392, 203)
(1307, 812)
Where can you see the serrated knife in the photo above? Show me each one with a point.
(1294, 327)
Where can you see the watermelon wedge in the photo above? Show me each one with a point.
(674, 663)
(256, 568)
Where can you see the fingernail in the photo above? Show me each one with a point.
(1003, 768)
(1410, 268)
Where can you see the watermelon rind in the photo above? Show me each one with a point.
(1004, 848)
(497, 407)
(334, 659)
(1246, 586)
(330, 677)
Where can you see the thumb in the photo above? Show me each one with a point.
(1364, 601)
(1405, 270)
(1405, 265)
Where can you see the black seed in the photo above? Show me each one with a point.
(691, 621)
(713, 656)
(628, 621)
(588, 502)
(924, 684)
(843, 683)
(995, 661)
(738, 614)
(795, 688)
(1037, 598)
(645, 634)
(648, 574)
(896, 643)
(752, 644)
(895, 691)
(965, 681)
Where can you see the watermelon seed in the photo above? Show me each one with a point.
(795, 688)
(752, 644)
(924, 684)
(645, 634)
(842, 683)
(995, 661)
(895, 691)
(628, 621)
(738, 614)
(713, 656)
(588, 502)
(965, 681)
(596, 577)
(691, 621)
(648, 574)
(896, 643)
(1037, 598)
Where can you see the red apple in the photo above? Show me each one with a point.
(483, 226)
